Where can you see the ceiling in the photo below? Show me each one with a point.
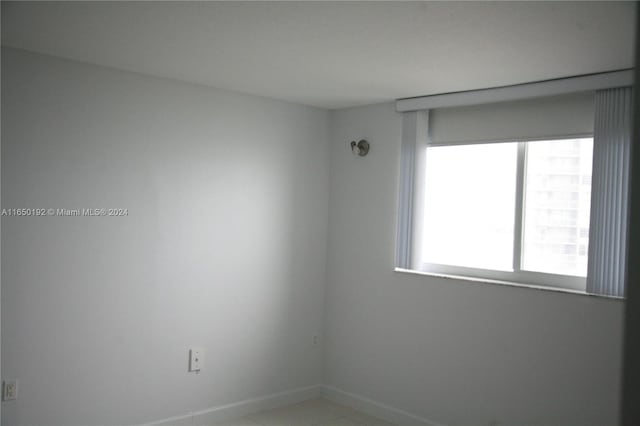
(333, 54)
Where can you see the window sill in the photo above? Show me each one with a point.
(504, 283)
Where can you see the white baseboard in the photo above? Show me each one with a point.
(250, 406)
(239, 409)
(374, 408)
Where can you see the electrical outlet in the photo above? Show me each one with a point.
(196, 358)
(9, 390)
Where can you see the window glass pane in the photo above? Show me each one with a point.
(469, 205)
(557, 206)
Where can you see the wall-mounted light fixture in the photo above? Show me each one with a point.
(360, 148)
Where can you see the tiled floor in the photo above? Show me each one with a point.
(315, 412)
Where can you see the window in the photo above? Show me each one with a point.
(557, 202)
(469, 206)
(514, 211)
(504, 183)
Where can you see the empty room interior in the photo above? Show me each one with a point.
(315, 213)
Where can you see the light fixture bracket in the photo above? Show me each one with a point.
(360, 148)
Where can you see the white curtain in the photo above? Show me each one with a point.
(610, 189)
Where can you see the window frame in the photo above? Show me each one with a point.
(518, 275)
(608, 240)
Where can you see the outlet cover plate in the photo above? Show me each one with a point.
(196, 359)
(9, 390)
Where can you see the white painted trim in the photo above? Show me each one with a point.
(374, 408)
(518, 231)
(462, 278)
(560, 86)
(241, 408)
(534, 278)
(281, 399)
(186, 419)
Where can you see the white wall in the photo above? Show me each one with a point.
(455, 352)
(224, 246)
